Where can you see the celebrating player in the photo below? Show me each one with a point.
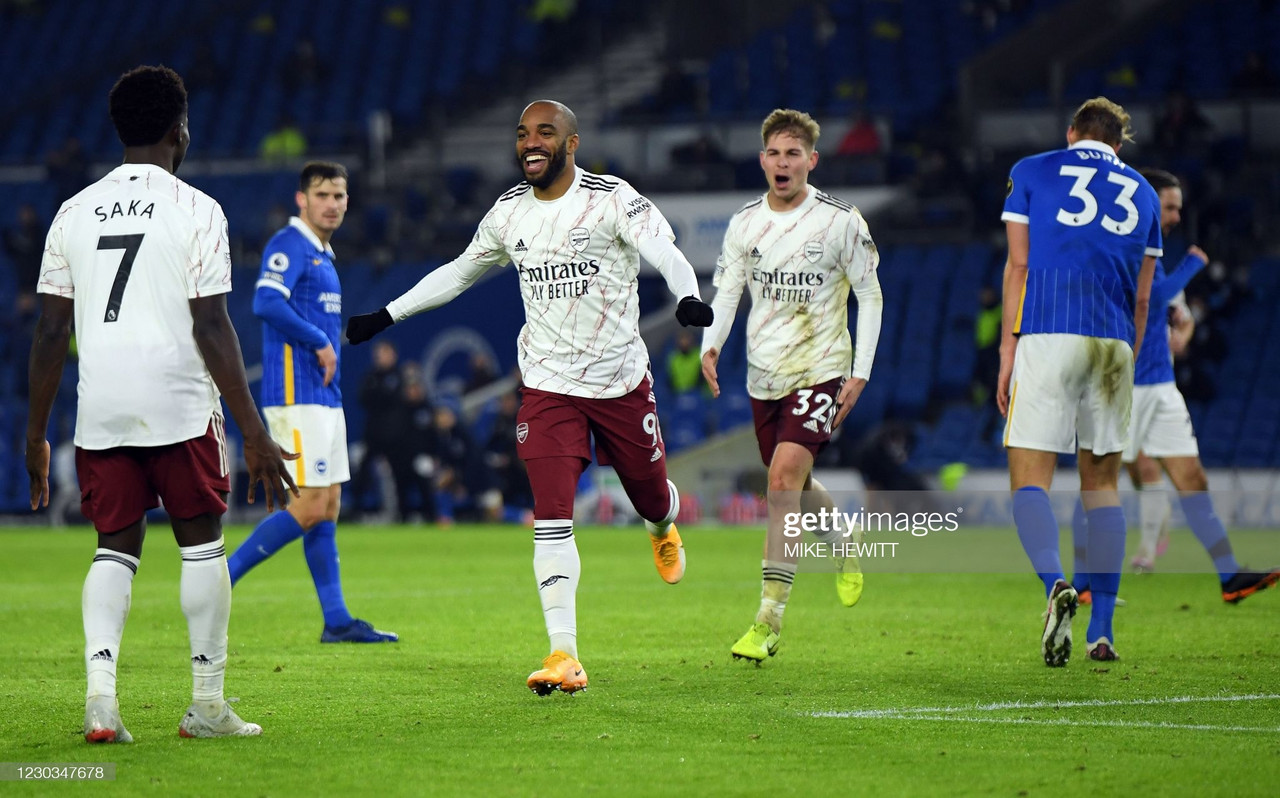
(141, 260)
(1084, 235)
(299, 300)
(798, 251)
(1162, 428)
(576, 239)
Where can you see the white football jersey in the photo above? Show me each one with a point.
(577, 259)
(798, 267)
(131, 250)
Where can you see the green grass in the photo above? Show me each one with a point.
(668, 712)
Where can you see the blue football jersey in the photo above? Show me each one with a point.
(297, 268)
(1091, 220)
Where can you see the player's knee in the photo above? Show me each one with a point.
(656, 500)
(1188, 475)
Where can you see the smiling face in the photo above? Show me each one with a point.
(545, 143)
(786, 161)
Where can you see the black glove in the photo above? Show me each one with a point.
(694, 312)
(366, 325)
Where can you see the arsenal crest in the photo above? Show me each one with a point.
(522, 432)
(579, 237)
(813, 251)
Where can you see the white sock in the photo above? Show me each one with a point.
(104, 603)
(205, 591)
(557, 569)
(774, 592)
(661, 528)
(1153, 507)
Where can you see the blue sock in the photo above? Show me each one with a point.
(271, 534)
(1038, 532)
(321, 548)
(1106, 559)
(1080, 542)
(1208, 529)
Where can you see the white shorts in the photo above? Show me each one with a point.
(1161, 424)
(1068, 388)
(319, 434)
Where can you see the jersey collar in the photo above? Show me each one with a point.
(809, 198)
(1090, 144)
(301, 227)
(577, 178)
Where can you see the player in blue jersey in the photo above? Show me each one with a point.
(299, 299)
(1084, 235)
(1162, 430)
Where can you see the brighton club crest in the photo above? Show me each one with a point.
(813, 251)
(579, 237)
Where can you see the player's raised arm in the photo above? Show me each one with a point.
(220, 347)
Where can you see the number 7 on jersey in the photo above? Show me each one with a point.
(130, 244)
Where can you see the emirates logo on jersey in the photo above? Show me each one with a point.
(813, 251)
(522, 432)
(579, 238)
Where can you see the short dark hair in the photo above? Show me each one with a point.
(1102, 120)
(318, 172)
(146, 103)
(1160, 179)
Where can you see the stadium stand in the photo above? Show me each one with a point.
(897, 60)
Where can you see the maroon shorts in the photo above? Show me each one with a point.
(118, 486)
(626, 430)
(803, 417)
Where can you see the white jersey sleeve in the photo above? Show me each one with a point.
(210, 268)
(445, 283)
(729, 279)
(862, 263)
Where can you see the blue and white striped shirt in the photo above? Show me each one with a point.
(1091, 221)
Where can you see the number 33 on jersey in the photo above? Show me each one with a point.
(1092, 218)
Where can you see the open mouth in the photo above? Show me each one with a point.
(535, 162)
(781, 182)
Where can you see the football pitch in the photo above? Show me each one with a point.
(933, 684)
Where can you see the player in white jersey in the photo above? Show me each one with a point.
(140, 259)
(798, 252)
(576, 240)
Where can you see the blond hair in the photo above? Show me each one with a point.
(1104, 121)
(797, 123)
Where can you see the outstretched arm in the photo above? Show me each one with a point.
(437, 288)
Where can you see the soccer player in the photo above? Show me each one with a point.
(576, 239)
(299, 300)
(140, 260)
(1162, 427)
(1084, 235)
(798, 252)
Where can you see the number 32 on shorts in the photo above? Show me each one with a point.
(819, 410)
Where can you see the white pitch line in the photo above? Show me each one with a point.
(1134, 724)
(907, 712)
